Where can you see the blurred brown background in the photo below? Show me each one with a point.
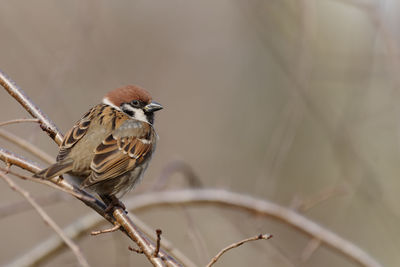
(279, 99)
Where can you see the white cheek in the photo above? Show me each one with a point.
(139, 115)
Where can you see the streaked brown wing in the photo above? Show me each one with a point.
(75, 134)
(121, 151)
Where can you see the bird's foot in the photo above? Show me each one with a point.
(115, 202)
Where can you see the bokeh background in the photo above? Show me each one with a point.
(286, 100)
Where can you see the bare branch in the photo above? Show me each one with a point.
(158, 232)
(257, 206)
(119, 215)
(74, 248)
(166, 245)
(73, 192)
(233, 200)
(13, 159)
(109, 230)
(237, 244)
(46, 124)
(138, 251)
(247, 203)
(18, 121)
(26, 146)
(143, 242)
(49, 247)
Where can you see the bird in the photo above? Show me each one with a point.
(110, 147)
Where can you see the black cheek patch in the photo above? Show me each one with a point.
(128, 111)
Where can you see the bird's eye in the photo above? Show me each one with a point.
(135, 103)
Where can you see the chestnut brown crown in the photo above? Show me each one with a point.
(128, 93)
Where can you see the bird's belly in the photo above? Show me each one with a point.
(122, 184)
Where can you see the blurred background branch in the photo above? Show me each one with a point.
(219, 198)
(48, 220)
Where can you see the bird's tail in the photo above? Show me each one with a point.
(54, 170)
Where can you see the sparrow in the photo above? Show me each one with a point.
(110, 147)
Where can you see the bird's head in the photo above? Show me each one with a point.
(133, 100)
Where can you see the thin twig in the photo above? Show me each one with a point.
(237, 244)
(158, 232)
(322, 196)
(17, 121)
(142, 241)
(166, 245)
(109, 230)
(138, 251)
(47, 219)
(26, 146)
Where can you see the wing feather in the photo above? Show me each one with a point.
(75, 134)
(121, 151)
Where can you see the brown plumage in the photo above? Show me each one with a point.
(108, 148)
(120, 95)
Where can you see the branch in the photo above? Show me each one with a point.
(232, 200)
(18, 121)
(109, 230)
(158, 243)
(47, 219)
(237, 244)
(22, 143)
(10, 158)
(142, 241)
(259, 207)
(119, 215)
(46, 124)
(49, 247)
(83, 197)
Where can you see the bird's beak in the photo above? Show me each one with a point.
(153, 106)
